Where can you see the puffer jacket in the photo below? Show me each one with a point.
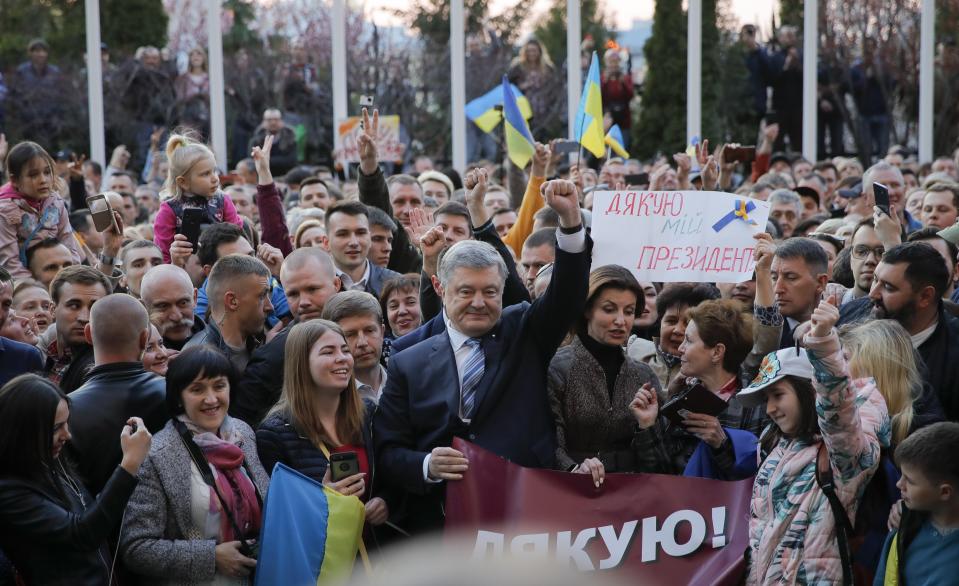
(18, 220)
(792, 531)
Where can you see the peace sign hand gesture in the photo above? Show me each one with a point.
(261, 158)
(369, 156)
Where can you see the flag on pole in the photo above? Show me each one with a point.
(589, 120)
(614, 138)
(310, 533)
(519, 140)
(482, 111)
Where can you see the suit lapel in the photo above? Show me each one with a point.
(441, 371)
(492, 350)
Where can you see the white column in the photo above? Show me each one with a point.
(574, 73)
(927, 44)
(217, 89)
(98, 149)
(340, 97)
(810, 79)
(458, 80)
(694, 70)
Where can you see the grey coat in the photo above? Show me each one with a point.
(159, 540)
(588, 423)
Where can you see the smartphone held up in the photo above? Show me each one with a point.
(102, 212)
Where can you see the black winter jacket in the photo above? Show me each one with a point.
(100, 408)
(54, 543)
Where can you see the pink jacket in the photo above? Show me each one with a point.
(792, 532)
(219, 208)
(19, 220)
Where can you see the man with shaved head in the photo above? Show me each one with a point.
(117, 388)
(170, 299)
(309, 279)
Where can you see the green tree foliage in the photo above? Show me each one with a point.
(124, 26)
(662, 118)
(552, 31)
(790, 12)
(712, 105)
(240, 36)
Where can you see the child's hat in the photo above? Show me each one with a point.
(775, 367)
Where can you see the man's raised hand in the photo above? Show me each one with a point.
(366, 141)
(261, 159)
(476, 183)
(562, 196)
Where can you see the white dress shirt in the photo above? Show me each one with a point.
(347, 281)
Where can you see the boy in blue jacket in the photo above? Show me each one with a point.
(925, 548)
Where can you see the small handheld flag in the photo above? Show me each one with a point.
(589, 120)
(614, 138)
(519, 140)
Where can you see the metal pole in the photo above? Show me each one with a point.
(574, 71)
(694, 69)
(810, 79)
(98, 149)
(340, 98)
(458, 80)
(217, 88)
(926, 79)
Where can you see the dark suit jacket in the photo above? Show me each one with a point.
(17, 358)
(418, 410)
(431, 328)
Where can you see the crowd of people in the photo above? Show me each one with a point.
(161, 354)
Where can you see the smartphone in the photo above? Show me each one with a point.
(102, 212)
(366, 101)
(637, 179)
(343, 465)
(882, 197)
(566, 146)
(743, 154)
(697, 399)
(192, 225)
(772, 117)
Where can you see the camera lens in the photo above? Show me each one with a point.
(344, 467)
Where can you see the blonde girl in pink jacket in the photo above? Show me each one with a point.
(812, 404)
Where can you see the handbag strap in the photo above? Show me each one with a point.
(826, 482)
(196, 454)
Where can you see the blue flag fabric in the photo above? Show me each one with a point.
(744, 444)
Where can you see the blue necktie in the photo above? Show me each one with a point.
(472, 373)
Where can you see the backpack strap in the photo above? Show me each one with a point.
(825, 480)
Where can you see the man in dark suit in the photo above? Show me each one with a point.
(484, 379)
(348, 229)
(799, 273)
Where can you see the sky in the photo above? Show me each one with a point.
(624, 11)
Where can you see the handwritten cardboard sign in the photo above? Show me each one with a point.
(387, 139)
(666, 236)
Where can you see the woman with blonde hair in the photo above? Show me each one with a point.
(882, 350)
(533, 72)
(195, 81)
(310, 233)
(320, 413)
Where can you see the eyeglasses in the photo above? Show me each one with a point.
(861, 252)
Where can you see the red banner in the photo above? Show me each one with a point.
(649, 528)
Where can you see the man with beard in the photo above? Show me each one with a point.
(908, 287)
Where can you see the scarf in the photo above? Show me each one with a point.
(225, 455)
(666, 357)
(8, 191)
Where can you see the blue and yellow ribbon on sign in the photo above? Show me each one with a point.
(740, 210)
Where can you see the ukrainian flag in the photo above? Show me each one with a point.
(589, 120)
(310, 533)
(519, 140)
(614, 138)
(482, 111)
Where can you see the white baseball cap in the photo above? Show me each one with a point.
(775, 367)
